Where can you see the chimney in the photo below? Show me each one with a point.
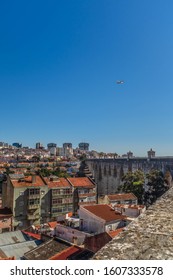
(33, 179)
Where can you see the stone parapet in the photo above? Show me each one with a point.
(149, 237)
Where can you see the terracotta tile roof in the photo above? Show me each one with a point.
(34, 235)
(104, 212)
(27, 182)
(52, 224)
(114, 233)
(66, 253)
(70, 214)
(8, 258)
(81, 182)
(122, 196)
(61, 182)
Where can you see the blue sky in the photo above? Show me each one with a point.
(59, 62)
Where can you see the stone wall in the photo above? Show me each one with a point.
(108, 172)
(149, 237)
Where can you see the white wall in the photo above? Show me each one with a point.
(69, 234)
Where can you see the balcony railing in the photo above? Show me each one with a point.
(33, 206)
(62, 194)
(33, 216)
(33, 196)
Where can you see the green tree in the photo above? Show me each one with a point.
(133, 182)
(156, 185)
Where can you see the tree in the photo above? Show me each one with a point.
(168, 178)
(82, 157)
(156, 185)
(133, 182)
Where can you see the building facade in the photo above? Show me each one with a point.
(28, 199)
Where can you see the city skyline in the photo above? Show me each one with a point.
(81, 146)
(59, 65)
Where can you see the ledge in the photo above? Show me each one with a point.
(149, 237)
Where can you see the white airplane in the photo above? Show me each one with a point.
(120, 82)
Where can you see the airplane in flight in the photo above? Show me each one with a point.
(120, 82)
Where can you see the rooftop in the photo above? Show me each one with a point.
(27, 182)
(60, 182)
(47, 250)
(104, 211)
(81, 182)
(12, 237)
(122, 196)
(17, 250)
(65, 254)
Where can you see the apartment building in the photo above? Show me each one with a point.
(67, 194)
(120, 198)
(84, 192)
(61, 196)
(36, 200)
(28, 198)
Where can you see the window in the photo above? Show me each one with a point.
(67, 200)
(33, 201)
(70, 208)
(56, 210)
(21, 193)
(55, 192)
(67, 191)
(57, 201)
(34, 191)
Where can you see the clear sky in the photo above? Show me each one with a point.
(59, 62)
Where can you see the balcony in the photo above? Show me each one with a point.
(33, 216)
(33, 196)
(33, 206)
(62, 195)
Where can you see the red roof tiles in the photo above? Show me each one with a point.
(122, 196)
(27, 182)
(52, 224)
(66, 253)
(114, 233)
(34, 235)
(8, 258)
(105, 212)
(61, 182)
(81, 182)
